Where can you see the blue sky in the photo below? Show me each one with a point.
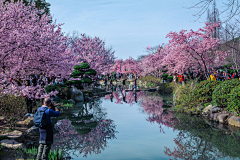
(129, 26)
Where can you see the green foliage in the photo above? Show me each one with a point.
(2, 147)
(220, 94)
(206, 104)
(227, 66)
(204, 90)
(87, 93)
(63, 90)
(91, 72)
(86, 80)
(84, 66)
(166, 88)
(75, 82)
(165, 75)
(150, 85)
(12, 108)
(76, 73)
(50, 88)
(32, 151)
(234, 100)
(185, 97)
(150, 79)
(232, 71)
(3, 137)
(170, 77)
(54, 155)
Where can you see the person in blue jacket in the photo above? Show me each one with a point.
(46, 134)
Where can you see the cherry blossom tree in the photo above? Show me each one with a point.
(195, 49)
(132, 66)
(30, 46)
(94, 52)
(152, 63)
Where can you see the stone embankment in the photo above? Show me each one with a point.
(212, 113)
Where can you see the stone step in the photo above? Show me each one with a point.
(10, 143)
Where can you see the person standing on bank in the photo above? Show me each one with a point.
(46, 134)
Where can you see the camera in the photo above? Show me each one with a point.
(53, 106)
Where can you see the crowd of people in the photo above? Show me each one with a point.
(215, 75)
(34, 80)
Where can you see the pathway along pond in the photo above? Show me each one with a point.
(135, 126)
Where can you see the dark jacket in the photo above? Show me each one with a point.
(46, 135)
(50, 113)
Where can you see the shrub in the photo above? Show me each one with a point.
(91, 72)
(204, 90)
(234, 100)
(150, 79)
(220, 94)
(63, 90)
(170, 77)
(50, 88)
(165, 75)
(86, 80)
(206, 104)
(76, 73)
(185, 97)
(166, 88)
(12, 108)
(227, 66)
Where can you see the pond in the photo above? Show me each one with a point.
(137, 125)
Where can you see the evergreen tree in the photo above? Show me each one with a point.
(83, 72)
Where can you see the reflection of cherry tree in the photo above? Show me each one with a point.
(197, 140)
(193, 149)
(83, 128)
(153, 107)
(68, 139)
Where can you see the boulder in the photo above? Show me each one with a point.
(199, 107)
(71, 100)
(15, 135)
(222, 118)
(214, 117)
(207, 109)
(10, 143)
(29, 121)
(2, 120)
(34, 131)
(76, 95)
(215, 109)
(175, 97)
(78, 105)
(234, 120)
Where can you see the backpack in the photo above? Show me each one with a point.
(40, 119)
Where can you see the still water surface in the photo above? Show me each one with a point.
(116, 127)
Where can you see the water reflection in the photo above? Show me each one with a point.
(129, 97)
(83, 129)
(197, 138)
